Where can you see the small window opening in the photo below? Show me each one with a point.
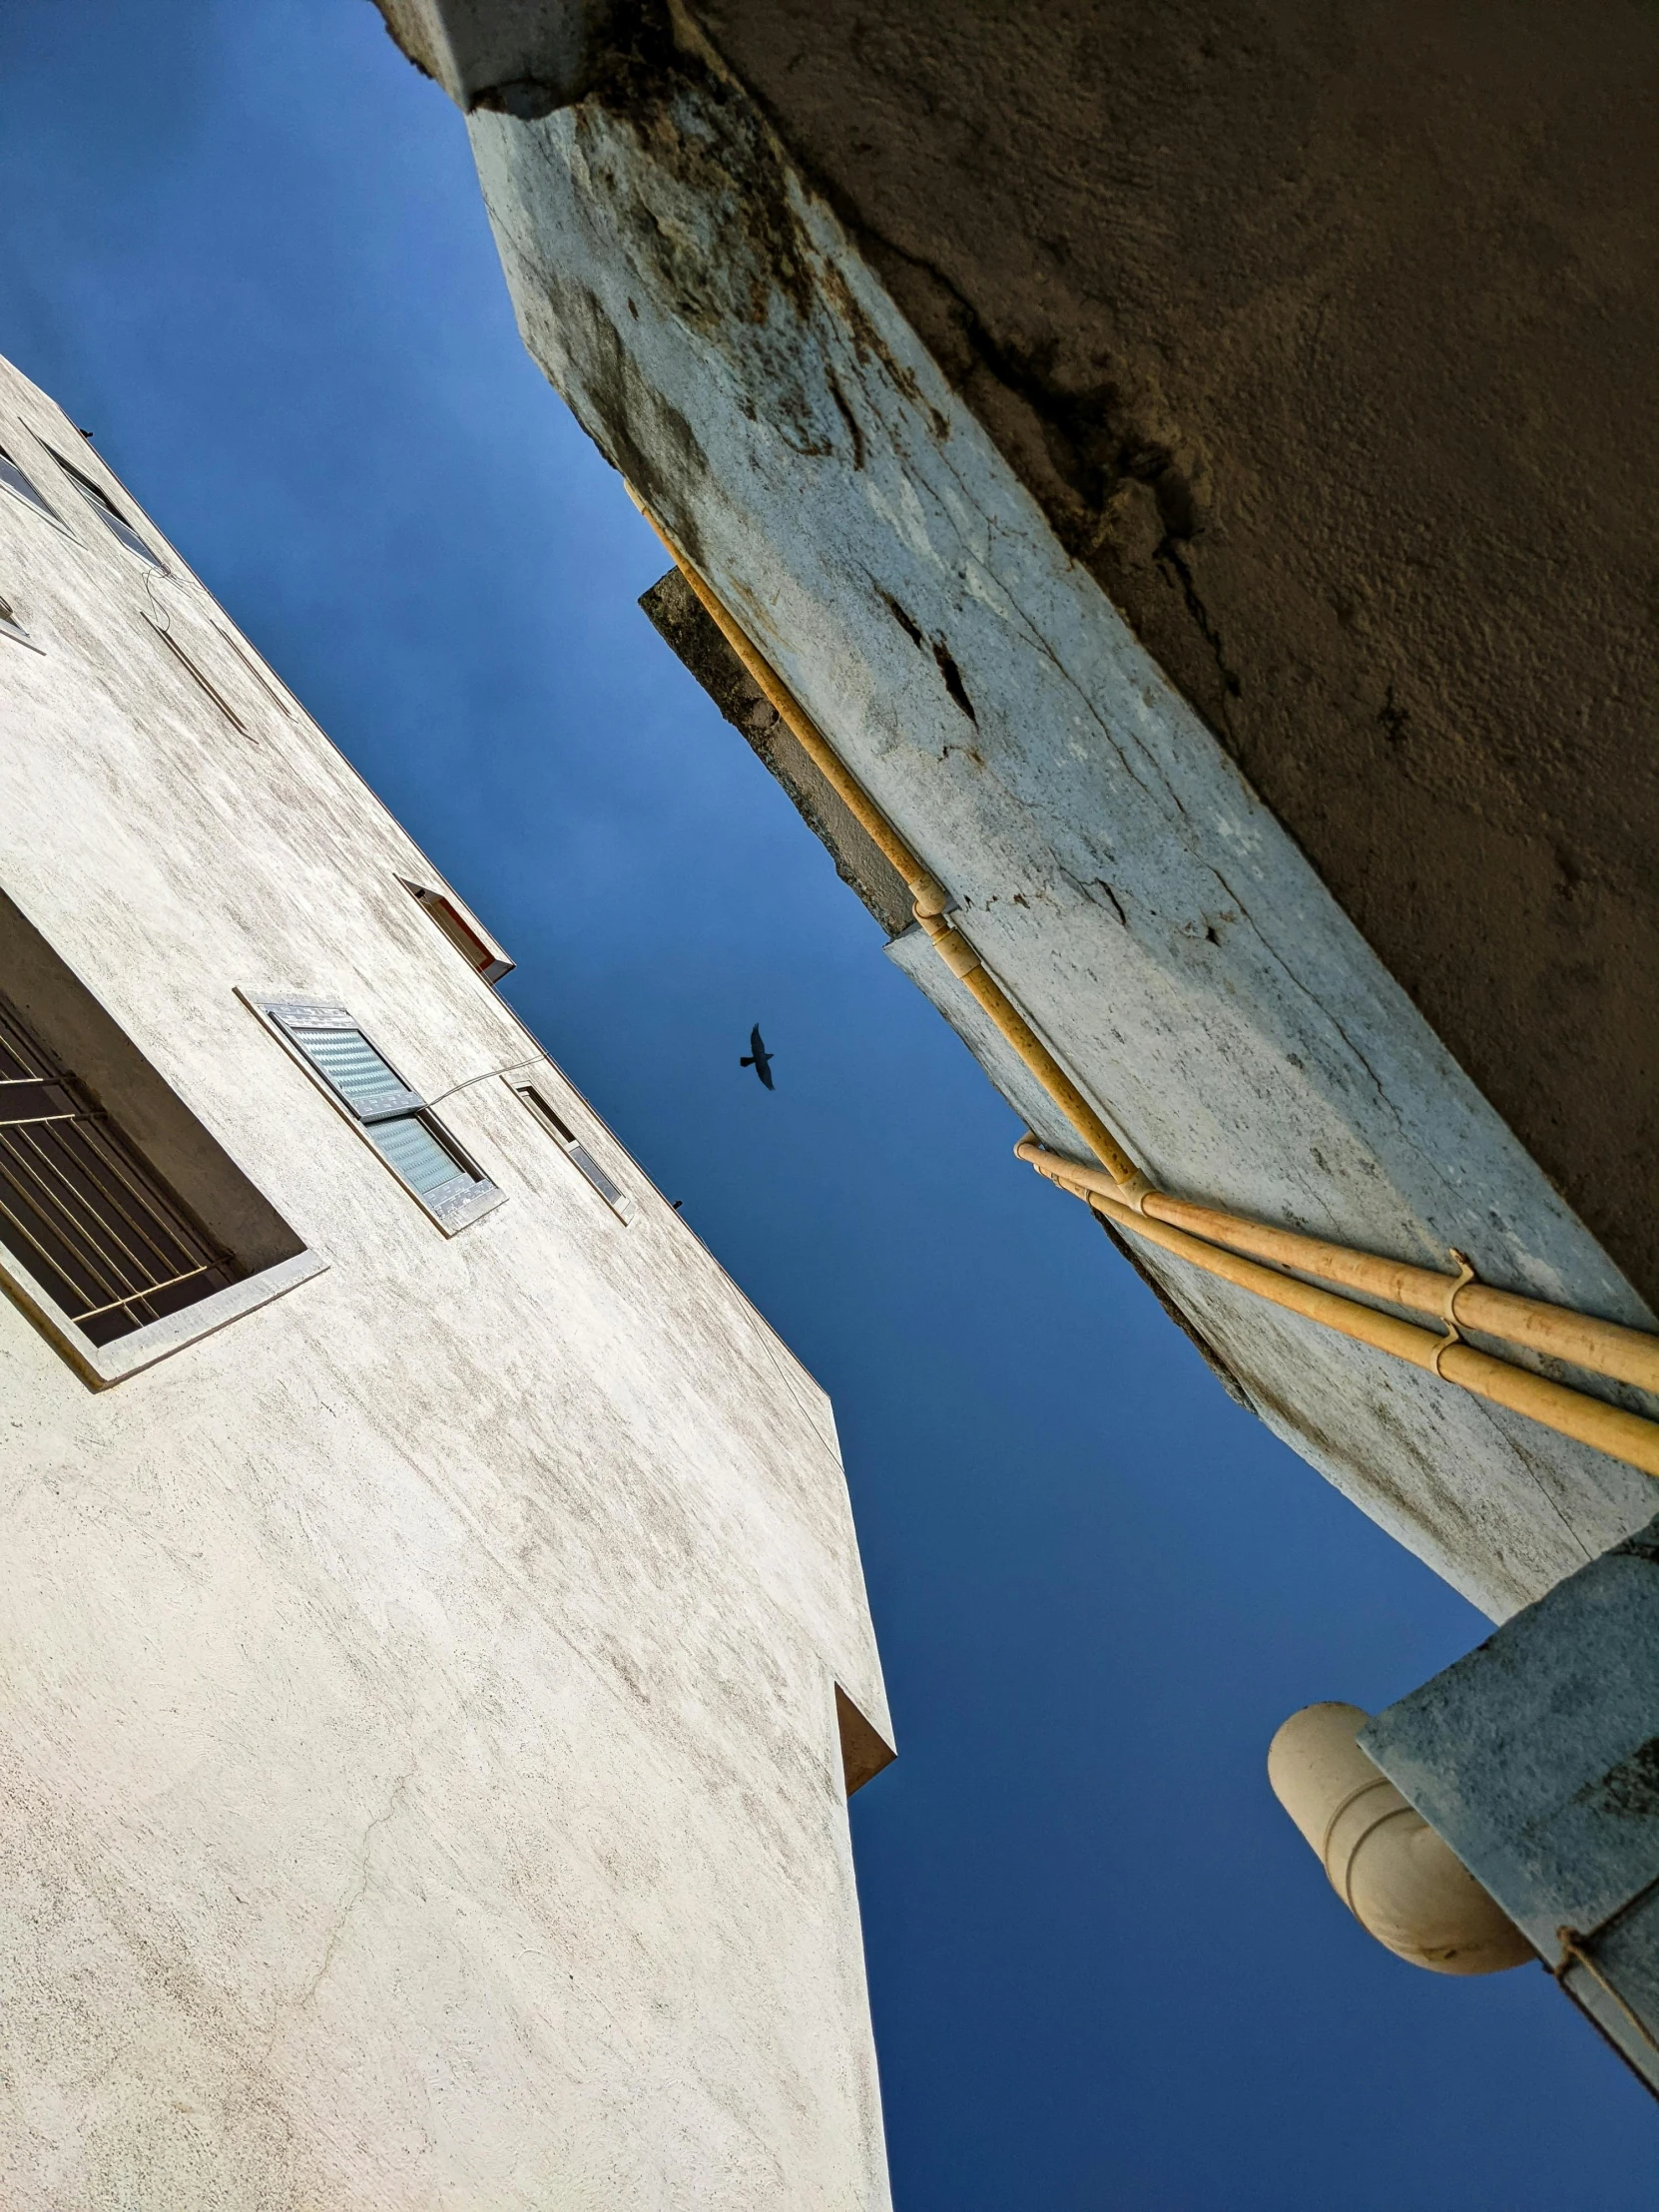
(95, 1227)
(486, 959)
(253, 669)
(619, 1200)
(396, 1119)
(107, 511)
(12, 628)
(201, 681)
(16, 481)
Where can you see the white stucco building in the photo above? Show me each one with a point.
(435, 1644)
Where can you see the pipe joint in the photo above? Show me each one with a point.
(1401, 1881)
(952, 948)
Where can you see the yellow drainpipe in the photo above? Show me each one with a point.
(1592, 1421)
(929, 898)
(1455, 1301)
(1200, 1234)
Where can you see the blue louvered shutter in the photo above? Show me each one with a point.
(394, 1116)
(417, 1153)
(368, 1083)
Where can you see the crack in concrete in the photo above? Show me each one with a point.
(358, 1893)
(1172, 559)
(1327, 1012)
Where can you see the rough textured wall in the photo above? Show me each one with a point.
(419, 1774)
(730, 347)
(1323, 331)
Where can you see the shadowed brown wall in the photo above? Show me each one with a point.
(1327, 336)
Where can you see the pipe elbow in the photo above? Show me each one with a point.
(1401, 1881)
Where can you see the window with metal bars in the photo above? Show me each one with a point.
(396, 1120)
(82, 1212)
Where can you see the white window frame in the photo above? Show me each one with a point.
(130, 1353)
(40, 506)
(453, 1209)
(103, 1364)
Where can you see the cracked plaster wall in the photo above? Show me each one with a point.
(1322, 332)
(731, 347)
(420, 1778)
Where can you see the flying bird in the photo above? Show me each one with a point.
(757, 1057)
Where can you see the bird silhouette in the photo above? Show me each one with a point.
(757, 1057)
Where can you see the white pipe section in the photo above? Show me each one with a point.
(1402, 1882)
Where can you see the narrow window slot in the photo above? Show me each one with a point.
(621, 1202)
(485, 960)
(255, 670)
(107, 511)
(203, 682)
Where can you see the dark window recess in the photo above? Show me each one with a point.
(107, 511)
(488, 963)
(202, 683)
(95, 1226)
(612, 1193)
(10, 626)
(15, 480)
(253, 669)
(394, 1118)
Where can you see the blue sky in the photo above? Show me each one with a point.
(245, 247)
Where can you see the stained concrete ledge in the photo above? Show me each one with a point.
(1537, 1759)
(689, 632)
(1318, 337)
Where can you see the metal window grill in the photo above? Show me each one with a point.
(98, 1230)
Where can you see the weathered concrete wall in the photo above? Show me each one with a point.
(726, 341)
(680, 621)
(420, 1772)
(1495, 1506)
(1322, 330)
(1536, 1756)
